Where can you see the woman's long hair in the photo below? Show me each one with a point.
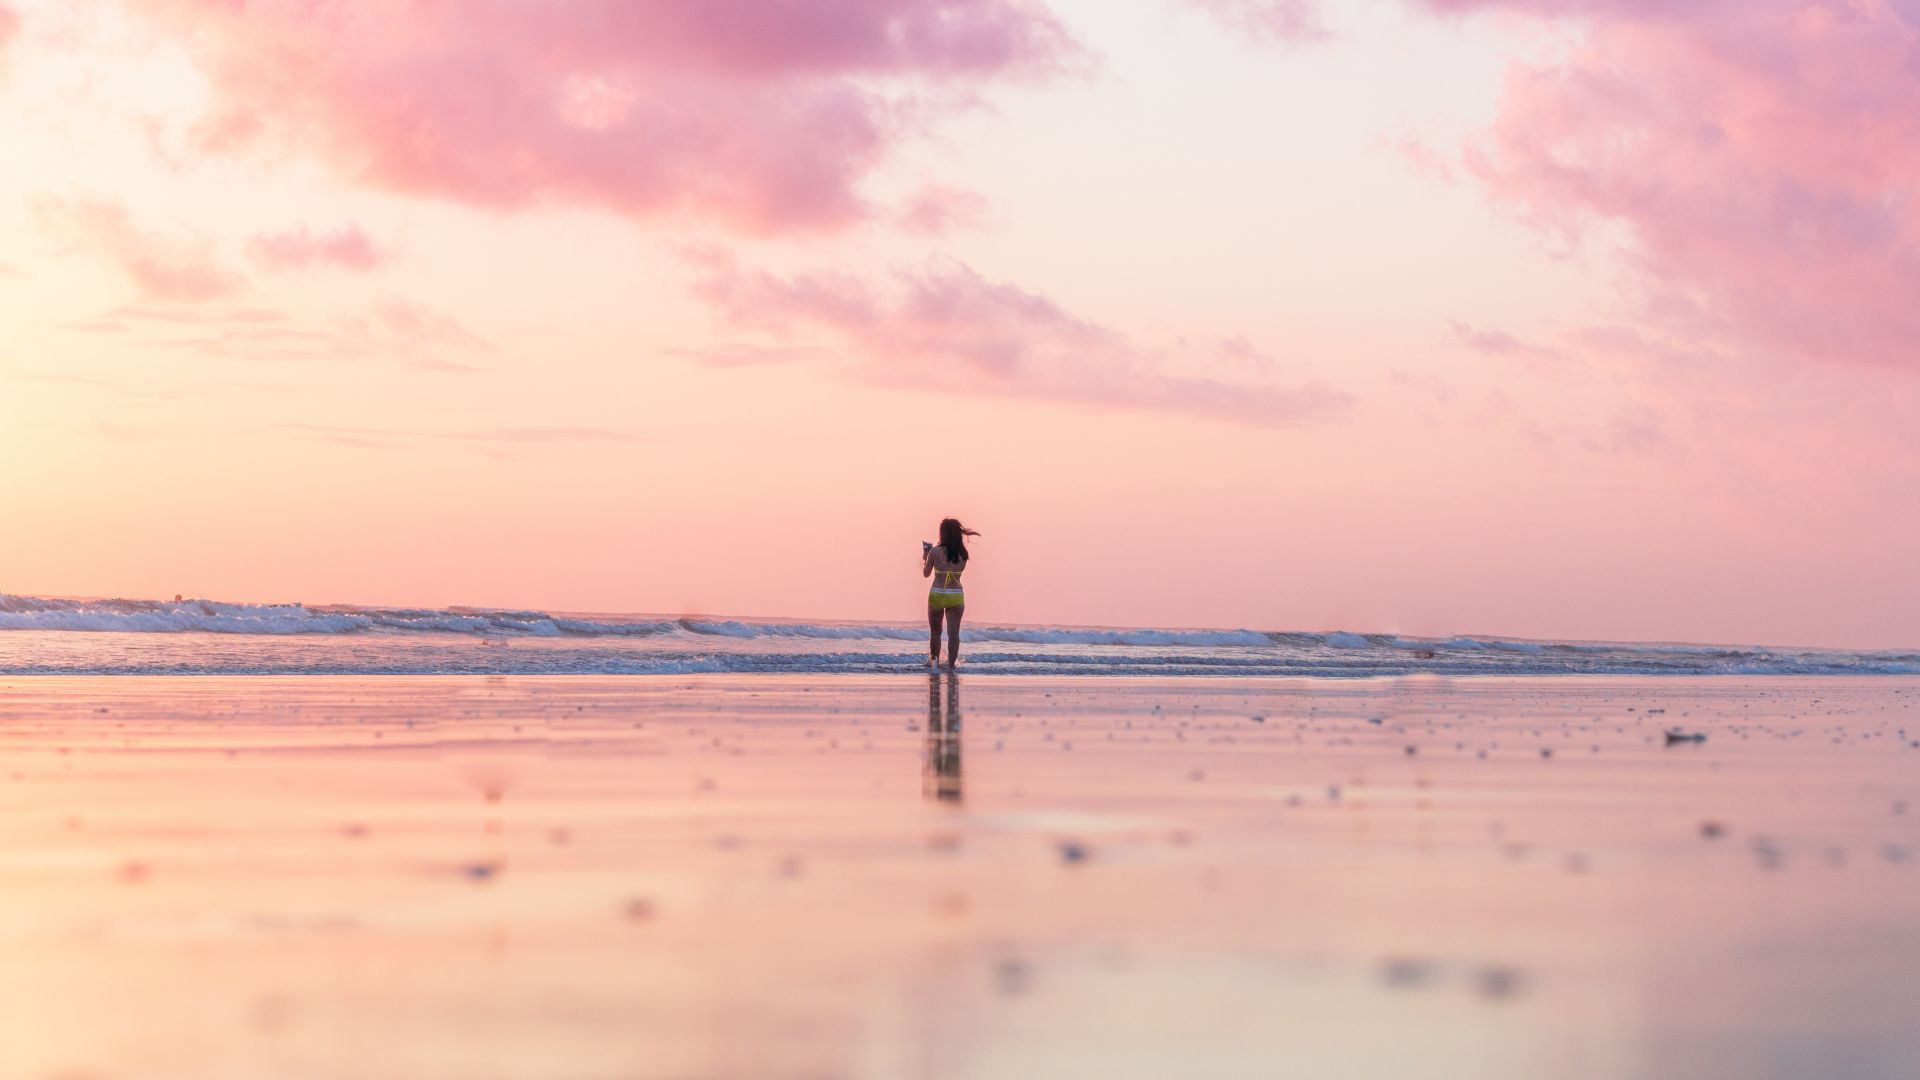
(953, 539)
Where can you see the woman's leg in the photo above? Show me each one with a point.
(933, 640)
(953, 634)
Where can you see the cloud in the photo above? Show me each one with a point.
(746, 354)
(9, 28)
(550, 435)
(165, 268)
(1501, 343)
(1762, 157)
(1272, 20)
(404, 321)
(390, 330)
(943, 327)
(389, 438)
(938, 208)
(347, 248)
(1420, 156)
(133, 434)
(764, 115)
(1561, 8)
(156, 389)
(1638, 430)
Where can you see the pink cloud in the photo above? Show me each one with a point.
(743, 354)
(944, 327)
(418, 336)
(9, 28)
(164, 268)
(391, 330)
(938, 208)
(389, 438)
(1280, 20)
(1638, 430)
(1761, 155)
(764, 115)
(1421, 157)
(298, 249)
(1501, 343)
(1558, 8)
(552, 434)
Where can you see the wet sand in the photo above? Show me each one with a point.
(913, 877)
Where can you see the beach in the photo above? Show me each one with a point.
(1418, 497)
(933, 876)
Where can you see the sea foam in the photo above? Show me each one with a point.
(50, 634)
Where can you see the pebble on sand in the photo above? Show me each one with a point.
(1675, 736)
(1405, 971)
(1496, 983)
(1010, 976)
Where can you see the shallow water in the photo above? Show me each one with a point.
(730, 876)
(52, 636)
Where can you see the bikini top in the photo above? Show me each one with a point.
(950, 578)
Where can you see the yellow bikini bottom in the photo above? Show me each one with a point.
(938, 598)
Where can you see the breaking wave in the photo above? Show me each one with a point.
(195, 636)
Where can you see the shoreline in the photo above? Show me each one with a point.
(203, 637)
(1105, 680)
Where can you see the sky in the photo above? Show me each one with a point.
(1550, 318)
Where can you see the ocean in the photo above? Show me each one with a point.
(42, 635)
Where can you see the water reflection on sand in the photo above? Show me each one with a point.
(765, 877)
(941, 767)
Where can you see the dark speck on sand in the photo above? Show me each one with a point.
(1496, 983)
(1405, 971)
(1010, 976)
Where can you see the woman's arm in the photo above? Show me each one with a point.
(926, 563)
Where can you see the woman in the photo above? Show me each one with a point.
(948, 558)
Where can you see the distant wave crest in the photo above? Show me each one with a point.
(303, 639)
(208, 616)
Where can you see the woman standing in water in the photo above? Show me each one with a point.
(948, 558)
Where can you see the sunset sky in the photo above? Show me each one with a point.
(1554, 318)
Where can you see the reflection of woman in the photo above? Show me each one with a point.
(946, 600)
(941, 781)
